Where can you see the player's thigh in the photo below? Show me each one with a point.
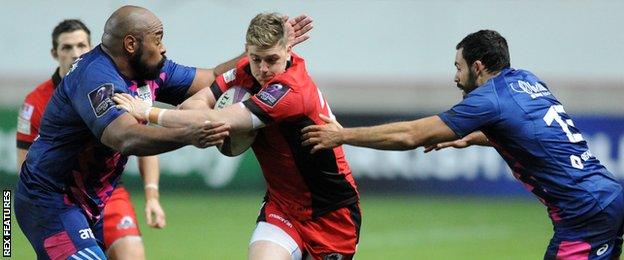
(334, 235)
(275, 236)
(119, 219)
(597, 238)
(57, 233)
(128, 247)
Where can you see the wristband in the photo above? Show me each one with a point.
(151, 186)
(152, 115)
(161, 112)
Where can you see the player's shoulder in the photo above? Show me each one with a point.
(92, 70)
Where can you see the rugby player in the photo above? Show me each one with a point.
(515, 112)
(71, 170)
(311, 207)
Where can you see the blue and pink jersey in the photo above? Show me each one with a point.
(530, 129)
(67, 164)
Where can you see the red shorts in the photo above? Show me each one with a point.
(333, 234)
(119, 217)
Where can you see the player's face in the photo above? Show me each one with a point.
(465, 76)
(266, 63)
(149, 57)
(70, 46)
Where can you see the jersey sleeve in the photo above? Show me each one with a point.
(92, 100)
(28, 122)
(223, 82)
(474, 112)
(276, 103)
(177, 80)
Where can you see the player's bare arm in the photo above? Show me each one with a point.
(237, 117)
(297, 29)
(154, 214)
(394, 136)
(21, 156)
(129, 137)
(474, 138)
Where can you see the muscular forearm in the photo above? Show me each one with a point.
(394, 136)
(236, 117)
(228, 65)
(144, 140)
(401, 135)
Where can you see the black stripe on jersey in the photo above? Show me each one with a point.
(23, 145)
(256, 87)
(328, 188)
(56, 77)
(356, 217)
(216, 90)
(262, 215)
(254, 108)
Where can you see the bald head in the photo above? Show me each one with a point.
(126, 21)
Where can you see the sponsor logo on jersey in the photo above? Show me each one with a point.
(145, 94)
(602, 249)
(272, 94)
(101, 99)
(86, 233)
(534, 90)
(280, 218)
(26, 111)
(229, 75)
(23, 126)
(126, 222)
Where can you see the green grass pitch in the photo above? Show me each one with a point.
(212, 225)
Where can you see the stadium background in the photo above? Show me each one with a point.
(375, 61)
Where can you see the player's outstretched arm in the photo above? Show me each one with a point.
(236, 117)
(474, 138)
(394, 136)
(126, 135)
(297, 32)
(149, 169)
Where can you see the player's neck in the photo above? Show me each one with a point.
(62, 71)
(121, 63)
(485, 76)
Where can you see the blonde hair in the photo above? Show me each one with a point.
(266, 30)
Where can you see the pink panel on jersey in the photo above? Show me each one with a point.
(59, 246)
(573, 250)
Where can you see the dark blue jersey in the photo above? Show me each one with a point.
(68, 164)
(530, 129)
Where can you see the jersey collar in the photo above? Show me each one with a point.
(56, 78)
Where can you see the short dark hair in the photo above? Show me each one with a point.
(68, 25)
(489, 47)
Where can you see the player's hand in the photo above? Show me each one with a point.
(459, 143)
(297, 29)
(208, 133)
(133, 105)
(154, 214)
(322, 136)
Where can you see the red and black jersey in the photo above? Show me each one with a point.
(30, 114)
(304, 185)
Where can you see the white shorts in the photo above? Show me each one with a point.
(269, 232)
